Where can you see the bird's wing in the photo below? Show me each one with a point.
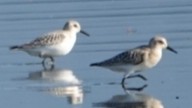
(133, 57)
(46, 40)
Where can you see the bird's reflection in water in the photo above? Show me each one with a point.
(69, 86)
(63, 75)
(131, 99)
(74, 94)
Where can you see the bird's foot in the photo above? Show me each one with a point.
(139, 76)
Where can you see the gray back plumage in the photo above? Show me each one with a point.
(132, 57)
(46, 40)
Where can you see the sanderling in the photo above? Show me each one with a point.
(137, 59)
(52, 44)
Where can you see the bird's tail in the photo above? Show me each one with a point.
(95, 64)
(15, 47)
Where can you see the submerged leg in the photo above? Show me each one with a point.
(136, 88)
(132, 88)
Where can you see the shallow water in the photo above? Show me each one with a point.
(114, 25)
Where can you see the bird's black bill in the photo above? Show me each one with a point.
(85, 33)
(171, 49)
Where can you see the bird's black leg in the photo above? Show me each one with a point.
(140, 76)
(43, 62)
(48, 65)
(44, 58)
(136, 88)
(132, 88)
(123, 82)
(52, 59)
(132, 76)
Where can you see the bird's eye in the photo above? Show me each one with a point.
(161, 42)
(75, 25)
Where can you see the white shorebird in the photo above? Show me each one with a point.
(52, 44)
(137, 59)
